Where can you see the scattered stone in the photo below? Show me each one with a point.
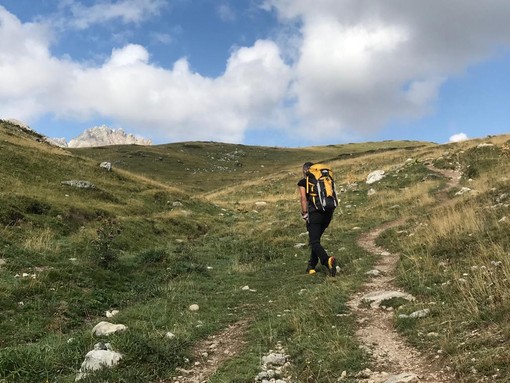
(274, 359)
(300, 245)
(79, 184)
(417, 314)
(194, 307)
(106, 328)
(245, 288)
(375, 176)
(111, 313)
(374, 273)
(260, 203)
(371, 192)
(106, 165)
(403, 378)
(98, 359)
(375, 298)
(463, 190)
(273, 367)
(170, 335)
(177, 204)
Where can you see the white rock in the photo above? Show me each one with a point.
(106, 165)
(373, 273)
(376, 297)
(463, 190)
(170, 335)
(417, 314)
(300, 245)
(375, 176)
(403, 378)
(111, 313)
(106, 328)
(245, 288)
(274, 359)
(260, 203)
(420, 313)
(194, 307)
(97, 359)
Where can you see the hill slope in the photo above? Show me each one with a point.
(206, 224)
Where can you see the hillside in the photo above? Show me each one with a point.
(217, 226)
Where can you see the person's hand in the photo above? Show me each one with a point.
(304, 216)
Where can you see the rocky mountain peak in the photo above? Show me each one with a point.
(104, 136)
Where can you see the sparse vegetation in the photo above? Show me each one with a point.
(194, 223)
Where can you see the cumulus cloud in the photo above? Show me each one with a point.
(170, 104)
(458, 137)
(363, 64)
(342, 68)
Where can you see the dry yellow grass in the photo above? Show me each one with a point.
(43, 240)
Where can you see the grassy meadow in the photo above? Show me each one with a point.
(193, 223)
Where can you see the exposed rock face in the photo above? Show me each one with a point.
(19, 123)
(104, 136)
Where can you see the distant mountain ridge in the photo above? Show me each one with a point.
(103, 136)
(96, 136)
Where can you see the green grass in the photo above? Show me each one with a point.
(127, 245)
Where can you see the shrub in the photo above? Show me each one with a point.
(105, 254)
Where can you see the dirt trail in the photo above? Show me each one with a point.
(211, 353)
(395, 360)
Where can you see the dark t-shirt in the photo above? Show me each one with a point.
(302, 182)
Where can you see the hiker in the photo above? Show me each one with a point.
(317, 220)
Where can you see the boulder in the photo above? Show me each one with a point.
(106, 165)
(375, 176)
(97, 359)
(106, 328)
(375, 298)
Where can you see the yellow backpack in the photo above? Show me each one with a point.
(320, 187)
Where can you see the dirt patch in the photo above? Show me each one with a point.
(212, 352)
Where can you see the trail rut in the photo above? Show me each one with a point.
(394, 359)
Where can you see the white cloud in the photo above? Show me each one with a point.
(127, 11)
(362, 65)
(351, 68)
(170, 104)
(458, 137)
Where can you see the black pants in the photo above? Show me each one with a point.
(318, 221)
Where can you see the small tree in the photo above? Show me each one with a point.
(104, 252)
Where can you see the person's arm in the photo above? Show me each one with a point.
(304, 202)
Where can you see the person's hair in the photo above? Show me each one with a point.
(307, 165)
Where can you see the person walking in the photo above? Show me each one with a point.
(316, 223)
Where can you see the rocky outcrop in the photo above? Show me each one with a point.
(105, 136)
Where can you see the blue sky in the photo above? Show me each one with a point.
(259, 72)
